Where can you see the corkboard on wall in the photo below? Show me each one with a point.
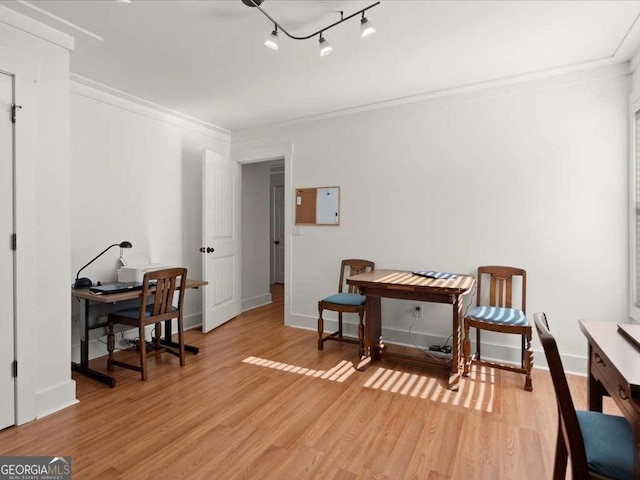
(306, 206)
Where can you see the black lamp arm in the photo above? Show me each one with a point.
(85, 282)
(95, 258)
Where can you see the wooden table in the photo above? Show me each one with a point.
(614, 370)
(87, 299)
(407, 286)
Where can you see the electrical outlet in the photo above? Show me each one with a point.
(417, 311)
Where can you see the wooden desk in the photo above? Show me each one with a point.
(86, 299)
(614, 370)
(406, 286)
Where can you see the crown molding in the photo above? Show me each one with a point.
(33, 27)
(629, 46)
(97, 91)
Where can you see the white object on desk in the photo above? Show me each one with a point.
(135, 266)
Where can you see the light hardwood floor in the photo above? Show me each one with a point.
(261, 402)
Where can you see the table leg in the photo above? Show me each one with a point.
(455, 373)
(373, 328)
(83, 366)
(167, 342)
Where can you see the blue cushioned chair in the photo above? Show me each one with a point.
(156, 306)
(599, 445)
(499, 315)
(345, 302)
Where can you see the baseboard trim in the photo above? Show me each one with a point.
(190, 322)
(55, 398)
(255, 302)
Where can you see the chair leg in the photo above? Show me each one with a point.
(181, 340)
(361, 333)
(478, 344)
(157, 335)
(110, 346)
(340, 325)
(528, 362)
(466, 351)
(320, 327)
(143, 353)
(560, 460)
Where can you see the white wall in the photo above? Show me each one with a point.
(38, 56)
(136, 176)
(531, 175)
(636, 78)
(255, 235)
(634, 101)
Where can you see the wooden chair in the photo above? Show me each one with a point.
(345, 302)
(159, 285)
(599, 445)
(500, 316)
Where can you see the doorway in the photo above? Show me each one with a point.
(248, 152)
(263, 227)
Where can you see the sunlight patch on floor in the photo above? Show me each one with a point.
(476, 392)
(339, 373)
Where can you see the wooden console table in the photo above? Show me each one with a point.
(614, 370)
(407, 286)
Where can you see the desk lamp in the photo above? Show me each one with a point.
(84, 282)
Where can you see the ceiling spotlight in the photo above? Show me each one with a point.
(366, 29)
(272, 40)
(325, 47)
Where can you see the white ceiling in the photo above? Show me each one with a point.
(206, 59)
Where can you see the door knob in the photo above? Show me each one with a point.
(210, 250)
(202, 250)
(277, 242)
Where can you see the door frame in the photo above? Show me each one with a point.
(25, 298)
(8, 319)
(254, 152)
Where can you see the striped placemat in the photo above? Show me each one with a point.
(433, 274)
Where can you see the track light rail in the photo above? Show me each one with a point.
(256, 4)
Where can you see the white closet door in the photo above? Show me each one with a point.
(220, 239)
(278, 234)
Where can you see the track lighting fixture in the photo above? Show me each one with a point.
(366, 29)
(272, 40)
(325, 47)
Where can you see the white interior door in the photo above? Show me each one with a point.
(7, 353)
(220, 239)
(278, 234)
